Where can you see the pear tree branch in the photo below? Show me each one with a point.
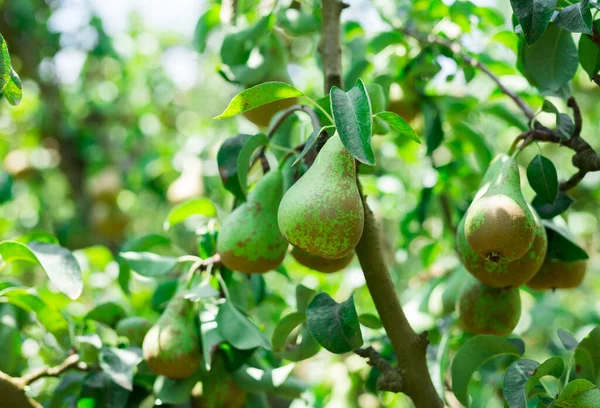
(71, 362)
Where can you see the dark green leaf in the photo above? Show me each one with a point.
(554, 366)
(551, 62)
(5, 65)
(238, 330)
(434, 133)
(567, 339)
(120, 364)
(257, 96)
(371, 321)
(163, 293)
(356, 70)
(297, 22)
(482, 151)
(305, 346)
(303, 297)
(148, 264)
(209, 20)
(59, 263)
(143, 243)
(283, 329)
(578, 394)
(310, 142)
(534, 16)
(589, 53)
(562, 245)
(334, 325)
(352, 116)
(543, 178)
(108, 313)
(547, 210)
(515, 379)
(384, 39)
(398, 124)
(13, 91)
(472, 355)
(587, 356)
(576, 18)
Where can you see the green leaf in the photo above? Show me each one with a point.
(238, 330)
(148, 264)
(209, 20)
(474, 353)
(37, 236)
(59, 263)
(143, 243)
(283, 329)
(335, 326)
(357, 68)
(50, 318)
(120, 364)
(564, 123)
(482, 151)
(257, 96)
(352, 116)
(277, 381)
(398, 124)
(5, 65)
(383, 40)
(587, 356)
(543, 178)
(211, 338)
(370, 320)
(534, 16)
(203, 290)
(554, 366)
(562, 245)
(310, 142)
(568, 341)
(177, 392)
(13, 91)
(196, 206)
(305, 346)
(108, 313)
(578, 394)
(576, 18)
(515, 379)
(434, 133)
(551, 62)
(548, 210)
(298, 23)
(589, 53)
(303, 297)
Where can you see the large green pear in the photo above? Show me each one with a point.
(499, 225)
(500, 275)
(322, 213)
(249, 240)
(171, 347)
(134, 328)
(486, 310)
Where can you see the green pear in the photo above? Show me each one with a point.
(321, 264)
(500, 275)
(486, 310)
(171, 347)
(249, 240)
(499, 225)
(322, 213)
(134, 328)
(219, 389)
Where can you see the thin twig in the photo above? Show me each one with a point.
(391, 379)
(71, 362)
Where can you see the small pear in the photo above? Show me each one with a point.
(501, 275)
(557, 274)
(322, 213)
(499, 225)
(249, 240)
(171, 347)
(134, 328)
(219, 389)
(319, 263)
(486, 310)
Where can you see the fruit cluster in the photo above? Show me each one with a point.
(502, 242)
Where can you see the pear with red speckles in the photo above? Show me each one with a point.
(322, 213)
(249, 240)
(172, 347)
(318, 263)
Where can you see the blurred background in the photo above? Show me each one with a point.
(115, 128)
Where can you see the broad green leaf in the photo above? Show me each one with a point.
(5, 64)
(201, 291)
(37, 236)
(551, 62)
(554, 366)
(303, 297)
(515, 380)
(13, 91)
(589, 53)
(10, 339)
(209, 20)
(237, 46)
(311, 141)
(149, 264)
(257, 96)
(59, 263)
(196, 206)
(163, 293)
(238, 330)
(543, 178)
(283, 329)
(243, 160)
(143, 243)
(562, 245)
(474, 353)
(564, 123)
(99, 390)
(397, 123)
(108, 313)
(356, 70)
(297, 23)
(352, 115)
(576, 18)
(334, 325)
(371, 321)
(120, 364)
(578, 394)
(548, 210)
(305, 346)
(568, 341)
(50, 318)
(534, 16)
(587, 356)
(507, 115)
